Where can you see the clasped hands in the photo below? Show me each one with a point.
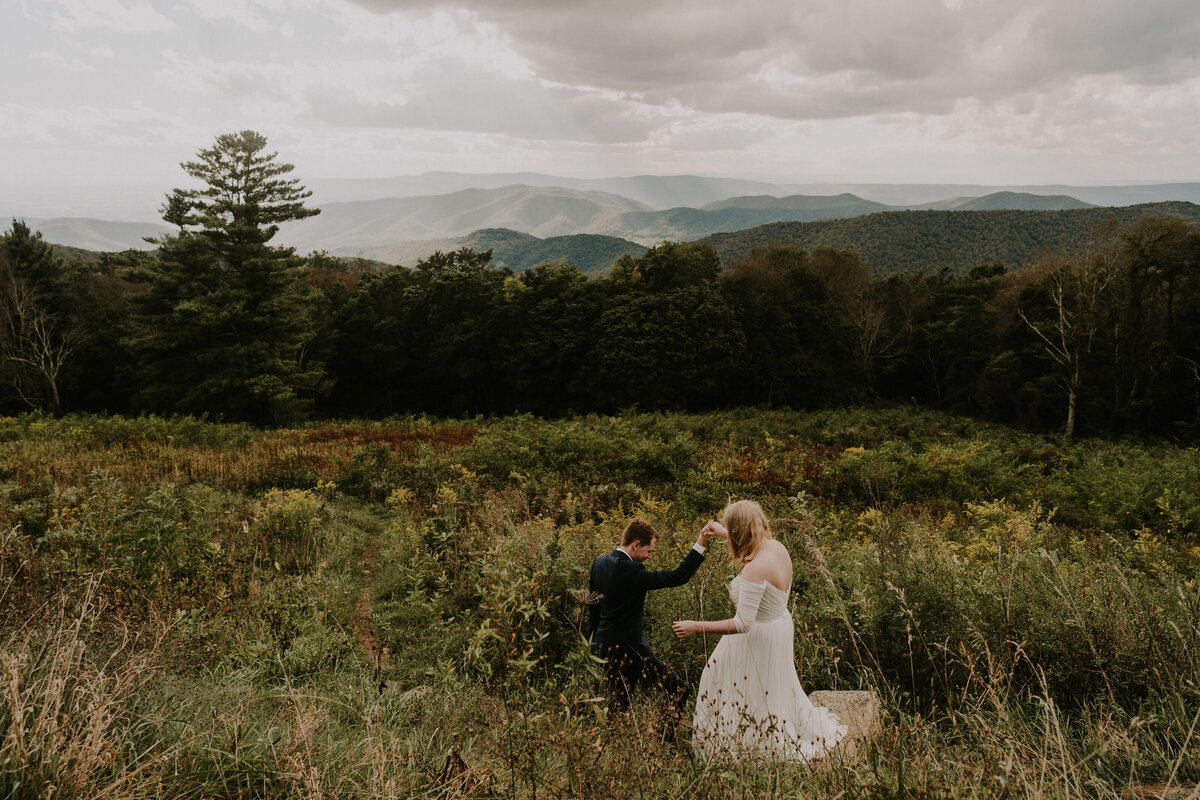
(713, 528)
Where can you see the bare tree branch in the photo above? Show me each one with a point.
(33, 345)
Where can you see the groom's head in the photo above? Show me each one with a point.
(639, 540)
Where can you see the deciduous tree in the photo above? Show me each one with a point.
(1078, 292)
(37, 331)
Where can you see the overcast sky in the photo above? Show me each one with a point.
(104, 98)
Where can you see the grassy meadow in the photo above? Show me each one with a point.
(393, 609)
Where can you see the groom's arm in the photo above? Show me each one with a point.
(643, 578)
(665, 579)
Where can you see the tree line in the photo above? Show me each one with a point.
(217, 321)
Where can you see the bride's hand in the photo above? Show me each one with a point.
(685, 627)
(715, 528)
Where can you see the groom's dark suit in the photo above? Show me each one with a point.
(616, 620)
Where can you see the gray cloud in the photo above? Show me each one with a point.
(131, 16)
(816, 59)
(448, 95)
(947, 90)
(706, 138)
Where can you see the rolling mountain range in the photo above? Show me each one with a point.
(674, 191)
(589, 220)
(656, 191)
(375, 228)
(98, 234)
(401, 224)
(346, 228)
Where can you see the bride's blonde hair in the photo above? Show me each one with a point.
(748, 528)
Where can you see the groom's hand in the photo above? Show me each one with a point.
(713, 528)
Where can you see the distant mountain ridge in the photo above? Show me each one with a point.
(1008, 201)
(375, 225)
(909, 241)
(346, 228)
(368, 225)
(515, 250)
(655, 191)
(913, 195)
(888, 241)
(399, 225)
(824, 203)
(97, 234)
(674, 191)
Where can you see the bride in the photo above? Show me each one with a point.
(750, 701)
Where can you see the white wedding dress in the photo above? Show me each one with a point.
(750, 702)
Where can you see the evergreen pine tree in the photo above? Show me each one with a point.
(221, 327)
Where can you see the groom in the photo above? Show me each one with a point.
(621, 580)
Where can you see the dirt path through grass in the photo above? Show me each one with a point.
(376, 656)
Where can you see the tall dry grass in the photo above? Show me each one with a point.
(64, 718)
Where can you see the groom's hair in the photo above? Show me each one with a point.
(638, 530)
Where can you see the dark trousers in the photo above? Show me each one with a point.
(625, 668)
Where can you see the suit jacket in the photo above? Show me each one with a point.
(623, 582)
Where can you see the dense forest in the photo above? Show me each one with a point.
(1103, 338)
(921, 241)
